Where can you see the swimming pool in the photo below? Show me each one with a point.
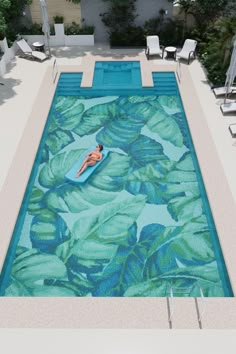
(141, 224)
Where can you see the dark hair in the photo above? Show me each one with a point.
(100, 147)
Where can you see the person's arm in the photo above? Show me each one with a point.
(100, 157)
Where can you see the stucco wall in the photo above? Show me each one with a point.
(146, 9)
(70, 11)
(90, 12)
(178, 14)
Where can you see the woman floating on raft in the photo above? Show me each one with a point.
(91, 159)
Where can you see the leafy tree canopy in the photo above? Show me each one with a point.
(120, 16)
(10, 14)
(204, 11)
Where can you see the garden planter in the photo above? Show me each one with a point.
(59, 39)
(79, 39)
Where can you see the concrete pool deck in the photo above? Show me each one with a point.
(25, 101)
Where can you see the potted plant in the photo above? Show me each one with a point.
(59, 30)
(77, 35)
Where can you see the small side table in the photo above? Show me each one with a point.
(170, 52)
(38, 46)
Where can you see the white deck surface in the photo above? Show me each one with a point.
(25, 101)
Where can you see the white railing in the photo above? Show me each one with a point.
(9, 54)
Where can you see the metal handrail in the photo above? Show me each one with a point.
(200, 313)
(54, 70)
(178, 70)
(170, 305)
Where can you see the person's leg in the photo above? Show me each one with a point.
(84, 166)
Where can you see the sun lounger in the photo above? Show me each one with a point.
(29, 53)
(220, 91)
(228, 107)
(71, 174)
(188, 51)
(153, 46)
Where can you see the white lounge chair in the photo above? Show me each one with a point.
(188, 51)
(153, 46)
(29, 53)
(220, 91)
(228, 107)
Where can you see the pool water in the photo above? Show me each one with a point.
(141, 225)
(117, 74)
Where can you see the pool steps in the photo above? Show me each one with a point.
(128, 81)
(69, 85)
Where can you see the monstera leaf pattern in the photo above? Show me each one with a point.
(108, 236)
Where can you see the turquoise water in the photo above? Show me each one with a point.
(142, 223)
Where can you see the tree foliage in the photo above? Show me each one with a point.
(10, 15)
(120, 15)
(205, 12)
(4, 6)
(215, 54)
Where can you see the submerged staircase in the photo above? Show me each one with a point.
(69, 84)
(165, 83)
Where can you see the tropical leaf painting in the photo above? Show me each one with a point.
(137, 227)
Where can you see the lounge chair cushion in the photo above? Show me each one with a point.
(71, 174)
(153, 46)
(228, 107)
(188, 49)
(220, 91)
(39, 55)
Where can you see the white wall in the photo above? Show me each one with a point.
(60, 39)
(9, 54)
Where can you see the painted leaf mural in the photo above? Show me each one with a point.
(137, 227)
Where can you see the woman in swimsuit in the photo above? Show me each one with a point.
(91, 159)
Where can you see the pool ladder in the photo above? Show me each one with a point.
(170, 304)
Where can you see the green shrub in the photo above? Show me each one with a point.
(132, 37)
(3, 26)
(58, 19)
(75, 28)
(215, 48)
(169, 31)
(34, 29)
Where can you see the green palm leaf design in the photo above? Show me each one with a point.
(95, 117)
(76, 198)
(30, 267)
(58, 139)
(108, 226)
(164, 125)
(53, 172)
(206, 277)
(67, 114)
